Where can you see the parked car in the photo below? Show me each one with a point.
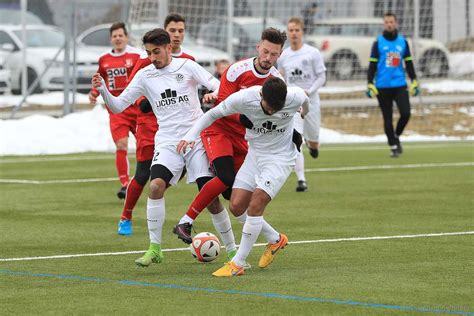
(246, 34)
(43, 43)
(4, 77)
(346, 44)
(98, 37)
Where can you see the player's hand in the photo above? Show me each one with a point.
(371, 90)
(414, 88)
(209, 98)
(92, 98)
(182, 145)
(96, 80)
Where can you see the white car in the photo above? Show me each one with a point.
(246, 34)
(43, 43)
(98, 37)
(346, 43)
(4, 77)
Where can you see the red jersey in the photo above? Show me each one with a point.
(238, 76)
(116, 70)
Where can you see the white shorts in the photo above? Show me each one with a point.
(310, 125)
(195, 160)
(268, 174)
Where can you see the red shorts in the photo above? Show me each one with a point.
(221, 143)
(146, 130)
(121, 124)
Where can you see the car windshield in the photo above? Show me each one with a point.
(14, 17)
(355, 29)
(42, 38)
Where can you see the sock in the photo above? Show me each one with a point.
(208, 192)
(299, 167)
(121, 162)
(155, 214)
(270, 234)
(224, 227)
(186, 219)
(250, 232)
(134, 190)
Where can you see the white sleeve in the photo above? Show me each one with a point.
(118, 104)
(227, 107)
(204, 77)
(318, 83)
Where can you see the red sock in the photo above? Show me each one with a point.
(121, 162)
(209, 192)
(134, 190)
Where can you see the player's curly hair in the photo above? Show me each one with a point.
(274, 93)
(274, 36)
(158, 37)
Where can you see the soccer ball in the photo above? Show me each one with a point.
(205, 247)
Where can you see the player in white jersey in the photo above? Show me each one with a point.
(303, 66)
(269, 162)
(170, 84)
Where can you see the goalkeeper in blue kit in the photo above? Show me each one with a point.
(386, 67)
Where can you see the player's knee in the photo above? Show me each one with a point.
(215, 207)
(142, 173)
(405, 115)
(237, 208)
(224, 168)
(157, 188)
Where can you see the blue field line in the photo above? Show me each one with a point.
(236, 292)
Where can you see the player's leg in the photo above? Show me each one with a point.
(403, 103)
(119, 128)
(219, 151)
(165, 170)
(385, 99)
(298, 125)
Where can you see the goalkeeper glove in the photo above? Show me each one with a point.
(414, 88)
(371, 90)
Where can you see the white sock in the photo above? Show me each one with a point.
(250, 232)
(299, 167)
(224, 227)
(155, 214)
(270, 234)
(186, 219)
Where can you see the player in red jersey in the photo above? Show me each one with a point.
(115, 66)
(224, 140)
(147, 126)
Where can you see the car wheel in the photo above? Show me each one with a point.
(344, 65)
(31, 78)
(434, 63)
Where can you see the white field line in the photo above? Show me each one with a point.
(353, 168)
(100, 254)
(406, 166)
(352, 147)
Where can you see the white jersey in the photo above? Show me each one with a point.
(173, 94)
(302, 68)
(271, 135)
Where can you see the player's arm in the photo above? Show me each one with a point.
(409, 63)
(94, 93)
(304, 102)
(320, 71)
(373, 60)
(118, 104)
(204, 77)
(228, 107)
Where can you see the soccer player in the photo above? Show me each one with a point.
(115, 66)
(170, 85)
(224, 140)
(147, 126)
(386, 66)
(303, 66)
(269, 162)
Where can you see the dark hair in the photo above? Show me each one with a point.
(174, 17)
(118, 25)
(274, 36)
(390, 14)
(274, 93)
(158, 37)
